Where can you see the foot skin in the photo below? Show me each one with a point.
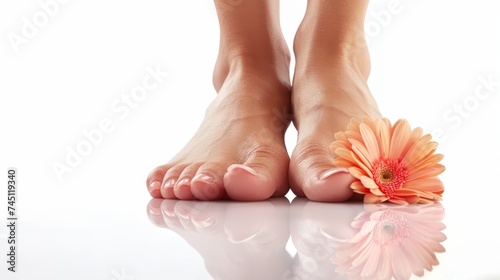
(238, 151)
(328, 90)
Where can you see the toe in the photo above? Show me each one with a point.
(167, 189)
(260, 177)
(208, 183)
(333, 185)
(313, 174)
(182, 188)
(155, 179)
(170, 180)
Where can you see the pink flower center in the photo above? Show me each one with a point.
(389, 175)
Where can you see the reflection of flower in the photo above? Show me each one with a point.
(391, 163)
(392, 241)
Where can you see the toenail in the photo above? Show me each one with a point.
(240, 166)
(204, 178)
(183, 182)
(154, 185)
(154, 189)
(332, 171)
(169, 183)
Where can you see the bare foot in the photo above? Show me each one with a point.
(238, 151)
(329, 88)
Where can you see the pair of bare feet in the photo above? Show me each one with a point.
(238, 151)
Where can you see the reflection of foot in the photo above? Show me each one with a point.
(329, 88)
(236, 241)
(314, 228)
(238, 151)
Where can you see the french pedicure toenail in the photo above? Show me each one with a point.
(182, 182)
(169, 183)
(240, 166)
(210, 180)
(154, 185)
(332, 171)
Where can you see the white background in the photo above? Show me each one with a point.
(428, 60)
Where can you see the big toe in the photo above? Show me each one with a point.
(257, 179)
(312, 174)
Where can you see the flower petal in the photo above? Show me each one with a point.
(426, 185)
(356, 172)
(362, 153)
(370, 198)
(368, 183)
(357, 187)
(429, 172)
(399, 137)
(370, 141)
(361, 164)
(415, 135)
(385, 138)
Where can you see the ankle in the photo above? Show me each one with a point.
(271, 63)
(327, 49)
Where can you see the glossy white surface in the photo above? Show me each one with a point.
(435, 63)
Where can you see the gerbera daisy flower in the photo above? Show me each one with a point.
(390, 163)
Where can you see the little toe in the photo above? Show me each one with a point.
(155, 179)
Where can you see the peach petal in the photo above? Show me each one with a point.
(385, 138)
(377, 191)
(357, 187)
(428, 184)
(362, 153)
(427, 162)
(361, 165)
(356, 172)
(414, 137)
(340, 162)
(404, 192)
(399, 137)
(370, 141)
(370, 198)
(416, 151)
(368, 183)
(345, 154)
(431, 171)
(354, 135)
(341, 136)
(337, 145)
